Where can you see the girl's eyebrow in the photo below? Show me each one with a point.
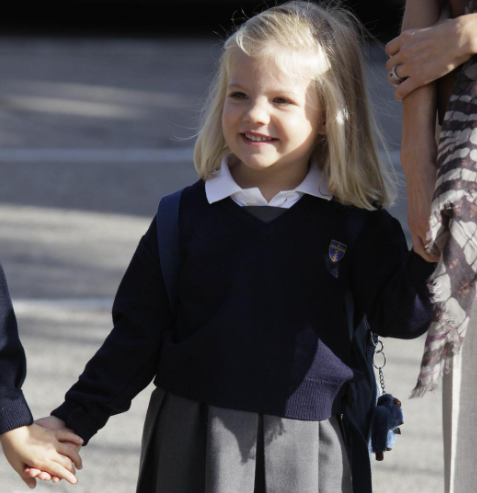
(234, 85)
(283, 91)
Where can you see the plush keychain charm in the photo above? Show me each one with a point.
(385, 422)
(387, 415)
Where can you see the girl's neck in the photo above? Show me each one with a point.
(270, 180)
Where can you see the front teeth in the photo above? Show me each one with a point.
(258, 139)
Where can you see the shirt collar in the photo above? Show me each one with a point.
(222, 185)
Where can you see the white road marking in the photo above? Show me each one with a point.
(101, 156)
(96, 156)
(24, 306)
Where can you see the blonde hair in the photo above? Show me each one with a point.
(329, 37)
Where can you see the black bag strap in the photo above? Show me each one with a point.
(167, 221)
(355, 414)
(355, 219)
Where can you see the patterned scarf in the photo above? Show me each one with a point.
(453, 229)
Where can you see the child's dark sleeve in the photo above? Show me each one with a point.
(127, 361)
(389, 281)
(14, 411)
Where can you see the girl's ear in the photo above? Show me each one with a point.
(322, 127)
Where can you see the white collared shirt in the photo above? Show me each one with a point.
(222, 185)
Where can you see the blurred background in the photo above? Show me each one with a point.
(99, 105)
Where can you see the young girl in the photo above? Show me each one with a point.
(256, 367)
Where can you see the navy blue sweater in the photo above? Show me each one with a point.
(14, 411)
(260, 324)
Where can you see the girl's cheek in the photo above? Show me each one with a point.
(228, 116)
(225, 120)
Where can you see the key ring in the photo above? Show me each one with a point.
(384, 361)
(380, 350)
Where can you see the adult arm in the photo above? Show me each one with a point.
(419, 150)
(127, 361)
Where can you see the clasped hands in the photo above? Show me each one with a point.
(46, 450)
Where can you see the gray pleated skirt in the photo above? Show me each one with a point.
(189, 447)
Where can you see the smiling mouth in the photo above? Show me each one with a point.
(258, 138)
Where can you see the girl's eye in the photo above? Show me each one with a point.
(282, 101)
(238, 95)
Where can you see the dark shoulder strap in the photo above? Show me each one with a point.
(167, 219)
(357, 413)
(355, 219)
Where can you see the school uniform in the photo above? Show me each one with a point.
(241, 451)
(14, 410)
(253, 370)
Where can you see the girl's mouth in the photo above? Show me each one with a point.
(257, 139)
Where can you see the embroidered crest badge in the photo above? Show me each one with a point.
(337, 250)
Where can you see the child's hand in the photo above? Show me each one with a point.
(54, 424)
(37, 447)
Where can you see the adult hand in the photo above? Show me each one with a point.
(34, 446)
(422, 56)
(419, 163)
(56, 425)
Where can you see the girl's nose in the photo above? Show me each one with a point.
(257, 113)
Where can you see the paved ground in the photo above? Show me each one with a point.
(92, 135)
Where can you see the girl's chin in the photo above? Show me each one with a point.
(261, 165)
(256, 161)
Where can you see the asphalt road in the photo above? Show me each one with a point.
(93, 133)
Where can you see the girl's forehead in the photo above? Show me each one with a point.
(286, 69)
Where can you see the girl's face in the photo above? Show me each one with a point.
(270, 118)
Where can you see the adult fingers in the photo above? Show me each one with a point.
(393, 46)
(400, 71)
(405, 88)
(68, 436)
(69, 450)
(394, 61)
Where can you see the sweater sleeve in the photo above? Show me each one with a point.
(389, 281)
(14, 411)
(127, 361)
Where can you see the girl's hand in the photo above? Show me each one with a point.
(34, 446)
(55, 424)
(422, 56)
